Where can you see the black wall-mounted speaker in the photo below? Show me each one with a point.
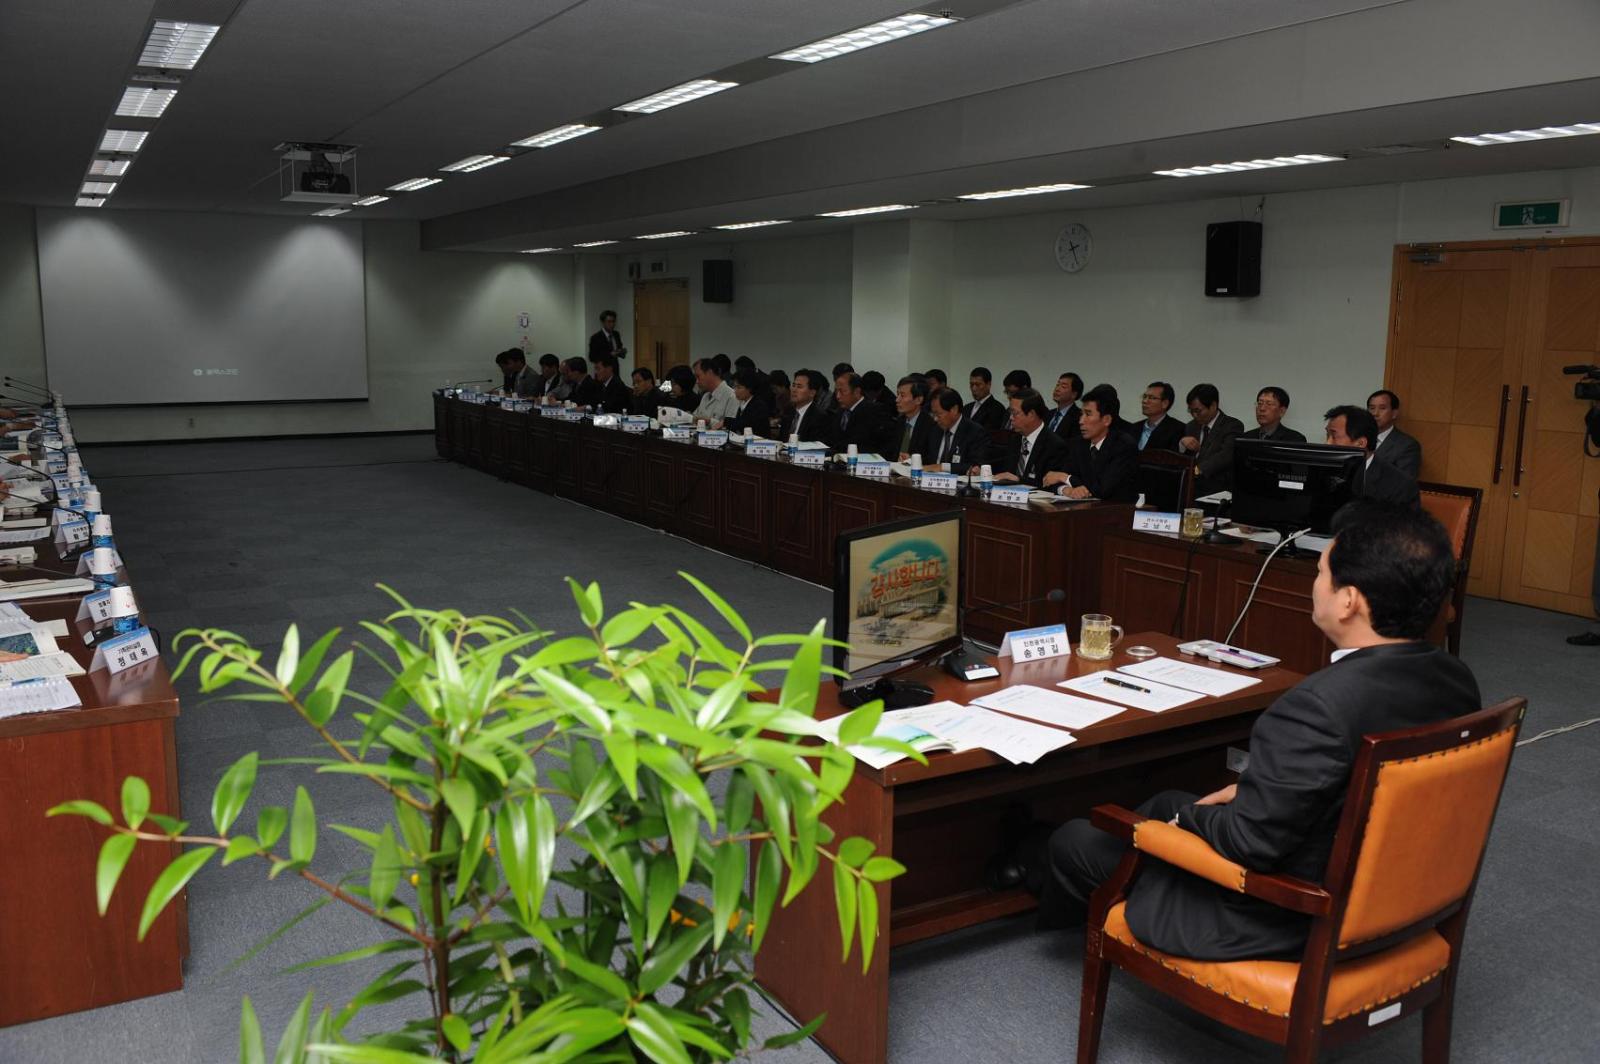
(716, 281)
(1233, 259)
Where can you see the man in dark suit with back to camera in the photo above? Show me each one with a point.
(1036, 451)
(1379, 587)
(1063, 420)
(1391, 445)
(914, 432)
(1157, 431)
(1209, 437)
(1351, 426)
(805, 418)
(614, 395)
(1272, 404)
(857, 419)
(987, 411)
(962, 444)
(1102, 462)
(584, 390)
(607, 341)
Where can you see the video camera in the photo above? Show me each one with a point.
(1589, 387)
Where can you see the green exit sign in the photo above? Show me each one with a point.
(1546, 214)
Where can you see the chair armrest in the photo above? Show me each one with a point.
(1116, 820)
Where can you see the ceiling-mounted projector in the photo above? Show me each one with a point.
(325, 181)
(317, 173)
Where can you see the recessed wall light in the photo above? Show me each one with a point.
(1031, 190)
(415, 183)
(176, 45)
(594, 243)
(370, 201)
(755, 225)
(1516, 136)
(98, 188)
(126, 141)
(1248, 164)
(556, 135)
(330, 212)
(538, 251)
(678, 94)
(89, 201)
(110, 167)
(474, 162)
(868, 210)
(891, 29)
(144, 103)
(663, 236)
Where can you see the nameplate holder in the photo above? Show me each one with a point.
(607, 421)
(95, 608)
(1156, 521)
(715, 439)
(757, 448)
(872, 470)
(810, 459)
(941, 481)
(72, 533)
(88, 556)
(124, 651)
(677, 434)
(633, 423)
(1035, 644)
(1011, 495)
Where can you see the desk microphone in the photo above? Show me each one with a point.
(963, 664)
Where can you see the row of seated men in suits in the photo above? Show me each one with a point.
(1082, 447)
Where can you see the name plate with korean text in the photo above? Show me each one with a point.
(124, 651)
(941, 481)
(1010, 494)
(872, 470)
(1034, 644)
(716, 439)
(762, 448)
(1153, 521)
(810, 459)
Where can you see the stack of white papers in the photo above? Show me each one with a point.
(902, 724)
(39, 666)
(1018, 741)
(1049, 707)
(23, 535)
(38, 696)
(1138, 693)
(29, 589)
(1190, 677)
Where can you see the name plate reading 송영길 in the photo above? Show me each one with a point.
(810, 459)
(124, 651)
(1034, 644)
(872, 470)
(1156, 521)
(941, 481)
(761, 448)
(715, 439)
(1010, 494)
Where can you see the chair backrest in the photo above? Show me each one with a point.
(1456, 508)
(1417, 819)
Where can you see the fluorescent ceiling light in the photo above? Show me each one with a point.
(371, 201)
(1514, 136)
(1031, 190)
(177, 45)
(1249, 164)
(110, 167)
(98, 188)
(755, 225)
(866, 37)
(689, 90)
(88, 201)
(473, 162)
(330, 212)
(123, 140)
(144, 103)
(868, 210)
(594, 244)
(415, 183)
(663, 236)
(555, 136)
(538, 251)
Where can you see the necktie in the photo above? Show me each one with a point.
(1205, 430)
(944, 448)
(844, 420)
(905, 438)
(1055, 422)
(1022, 459)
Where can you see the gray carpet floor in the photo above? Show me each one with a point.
(254, 535)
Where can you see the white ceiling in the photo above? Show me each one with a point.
(1093, 91)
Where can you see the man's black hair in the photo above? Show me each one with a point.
(1168, 395)
(938, 376)
(917, 383)
(983, 372)
(548, 359)
(1401, 561)
(947, 399)
(814, 378)
(644, 373)
(748, 378)
(1277, 393)
(1031, 402)
(1358, 424)
(1105, 399)
(1207, 394)
(1077, 384)
(1017, 378)
(1394, 400)
(872, 381)
(577, 364)
(841, 368)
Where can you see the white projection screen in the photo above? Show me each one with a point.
(162, 308)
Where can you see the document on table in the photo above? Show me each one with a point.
(901, 724)
(39, 666)
(23, 535)
(1155, 697)
(38, 696)
(1020, 742)
(1048, 707)
(1199, 678)
(27, 589)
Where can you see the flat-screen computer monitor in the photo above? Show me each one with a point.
(896, 604)
(1290, 486)
(1162, 484)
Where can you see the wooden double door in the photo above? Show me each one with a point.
(661, 324)
(1478, 337)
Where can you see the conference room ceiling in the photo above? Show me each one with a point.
(1098, 92)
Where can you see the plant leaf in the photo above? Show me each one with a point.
(651, 1031)
(270, 822)
(135, 800)
(728, 614)
(769, 876)
(292, 1046)
(169, 883)
(462, 798)
(683, 828)
(82, 807)
(289, 656)
(456, 1030)
(302, 827)
(796, 1036)
(860, 722)
(251, 1049)
(855, 850)
(311, 660)
(384, 875)
(666, 964)
(880, 869)
(233, 790)
(844, 899)
(114, 853)
(240, 847)
(323, 701)
(661, 892)
(800, 682)
(867, 912)
(727, 884)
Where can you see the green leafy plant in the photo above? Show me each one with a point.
(494, 741)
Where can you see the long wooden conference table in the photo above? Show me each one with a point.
(785, 516)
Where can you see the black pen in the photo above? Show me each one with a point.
(1123, 683)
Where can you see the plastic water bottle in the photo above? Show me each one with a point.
(851, 456)
(100, 531)
(793, 446)
(916, 471)
(986, 480)
(749, 433)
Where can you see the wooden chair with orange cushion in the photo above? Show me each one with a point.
(1456, 508)
(1386, 926)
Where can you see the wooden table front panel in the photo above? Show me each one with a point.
(796, 508)
(746, 518)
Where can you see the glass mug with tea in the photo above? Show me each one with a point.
(1194, 523)
(1095, 640)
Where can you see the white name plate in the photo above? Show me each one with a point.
(124, 651)
(872, 470)
(810, 459)
(72, 533)
(716, 439)
(941, 481)
(634, 423)
(1154, 521)
(677, 434)
(1032, 644)
(95, 608)
(1010, 494)
(757, 448)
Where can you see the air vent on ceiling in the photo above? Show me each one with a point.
(1397, 149)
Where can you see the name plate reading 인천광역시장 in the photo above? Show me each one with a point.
(1152, 521)
(1034, 644)
(1010, 494)
(125, 651)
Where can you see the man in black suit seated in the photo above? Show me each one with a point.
(1351, 426)
(551, 385)
(857, 419)
(1102, 463)
(1157, 431)
(937, 378)
(877, 390)
(1063, 420)
(517, 379)
(584, 390)
(1018, 380)
(1035, 451)
(1393, 446)
(645, 397)
(962, 444)
(1379, 587)
(614, 395)
(984, 409)
(1209, 437)
(1272, 404)
(806, 418)
(754, 410)
(607, 341)
(914, 432)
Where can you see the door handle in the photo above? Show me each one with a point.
(1500, 433)
(1522, 424)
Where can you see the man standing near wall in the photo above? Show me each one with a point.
(607, 341)
(1591, 422)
